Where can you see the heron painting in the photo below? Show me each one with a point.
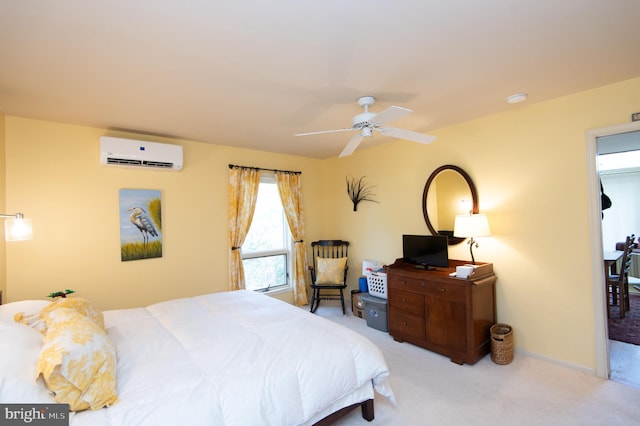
(140, 224)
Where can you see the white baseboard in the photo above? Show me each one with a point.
(589, 371)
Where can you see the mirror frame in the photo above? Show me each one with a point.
(472, 188)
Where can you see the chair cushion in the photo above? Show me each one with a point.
(330, 271)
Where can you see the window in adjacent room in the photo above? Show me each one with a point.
(266, 252)
(620, 177)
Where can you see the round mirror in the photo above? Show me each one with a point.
(449, 191)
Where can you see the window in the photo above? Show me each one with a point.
(620, 176)
(266, 252)
(619, 161)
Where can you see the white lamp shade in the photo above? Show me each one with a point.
(471, 225)
(18, 229)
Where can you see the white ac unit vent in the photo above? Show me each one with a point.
(133, 153)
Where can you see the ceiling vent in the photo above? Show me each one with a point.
(132, 153)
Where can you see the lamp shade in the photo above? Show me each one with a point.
(18, 229)
(471, 225)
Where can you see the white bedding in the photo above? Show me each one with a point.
(233, 358)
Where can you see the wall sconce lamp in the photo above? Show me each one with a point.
(17, 228)
(471, 226)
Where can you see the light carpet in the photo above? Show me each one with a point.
(431, 390)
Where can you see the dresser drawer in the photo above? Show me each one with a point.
(403, 325)
(406, 283)
(449, 292)
(410, 303)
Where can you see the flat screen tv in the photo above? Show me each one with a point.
(426, 251)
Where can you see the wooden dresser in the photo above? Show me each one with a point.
(447, 315)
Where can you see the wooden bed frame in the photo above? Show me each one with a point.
(367, 413)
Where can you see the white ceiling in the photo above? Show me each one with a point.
(252, 73)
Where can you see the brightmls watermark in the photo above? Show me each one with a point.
(34, 414)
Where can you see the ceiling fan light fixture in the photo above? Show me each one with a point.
(366, 132)
(517, 98)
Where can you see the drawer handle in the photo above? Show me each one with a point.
(404, 323)
(404, 283)
(443, 289)
(404, 300)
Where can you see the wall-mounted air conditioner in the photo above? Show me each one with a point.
(132, 153)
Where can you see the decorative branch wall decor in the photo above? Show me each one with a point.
(359, 190)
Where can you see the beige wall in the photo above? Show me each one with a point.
(530, 169)
(3, 258)
(529, 166)
(54, 177)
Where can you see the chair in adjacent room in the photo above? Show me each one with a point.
(328, 271)
(634, 272)
(617, 283)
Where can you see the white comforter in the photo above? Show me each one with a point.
(236, 358)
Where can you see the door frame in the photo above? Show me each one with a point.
(601, 332)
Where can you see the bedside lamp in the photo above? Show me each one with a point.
(471, 226)
(17, 228)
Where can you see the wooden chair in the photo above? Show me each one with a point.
(328, 271)
(618, 283)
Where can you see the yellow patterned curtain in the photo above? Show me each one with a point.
(291, 196)
(243, 193)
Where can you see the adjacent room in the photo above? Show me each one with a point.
(177, 164)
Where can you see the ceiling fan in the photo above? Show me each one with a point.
(365, 123)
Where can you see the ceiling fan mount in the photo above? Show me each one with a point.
(366, 101)
(367, 122)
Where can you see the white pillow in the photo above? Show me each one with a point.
(29, 307)
(20, 347)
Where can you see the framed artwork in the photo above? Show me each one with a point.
(140, 224)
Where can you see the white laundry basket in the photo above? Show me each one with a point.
(377, 283)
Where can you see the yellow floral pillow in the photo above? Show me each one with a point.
(82, 306)
(32, 320)
(78, 361)
(330, 271)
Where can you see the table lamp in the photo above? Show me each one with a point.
(471, 226)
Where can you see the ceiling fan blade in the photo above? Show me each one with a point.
(406, 134)
(352, 145)
(325, 131)
(390, 114)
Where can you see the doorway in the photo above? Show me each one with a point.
(602, 347)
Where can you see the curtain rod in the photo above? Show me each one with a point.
(231, 166)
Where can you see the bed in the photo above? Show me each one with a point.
(230, 358)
